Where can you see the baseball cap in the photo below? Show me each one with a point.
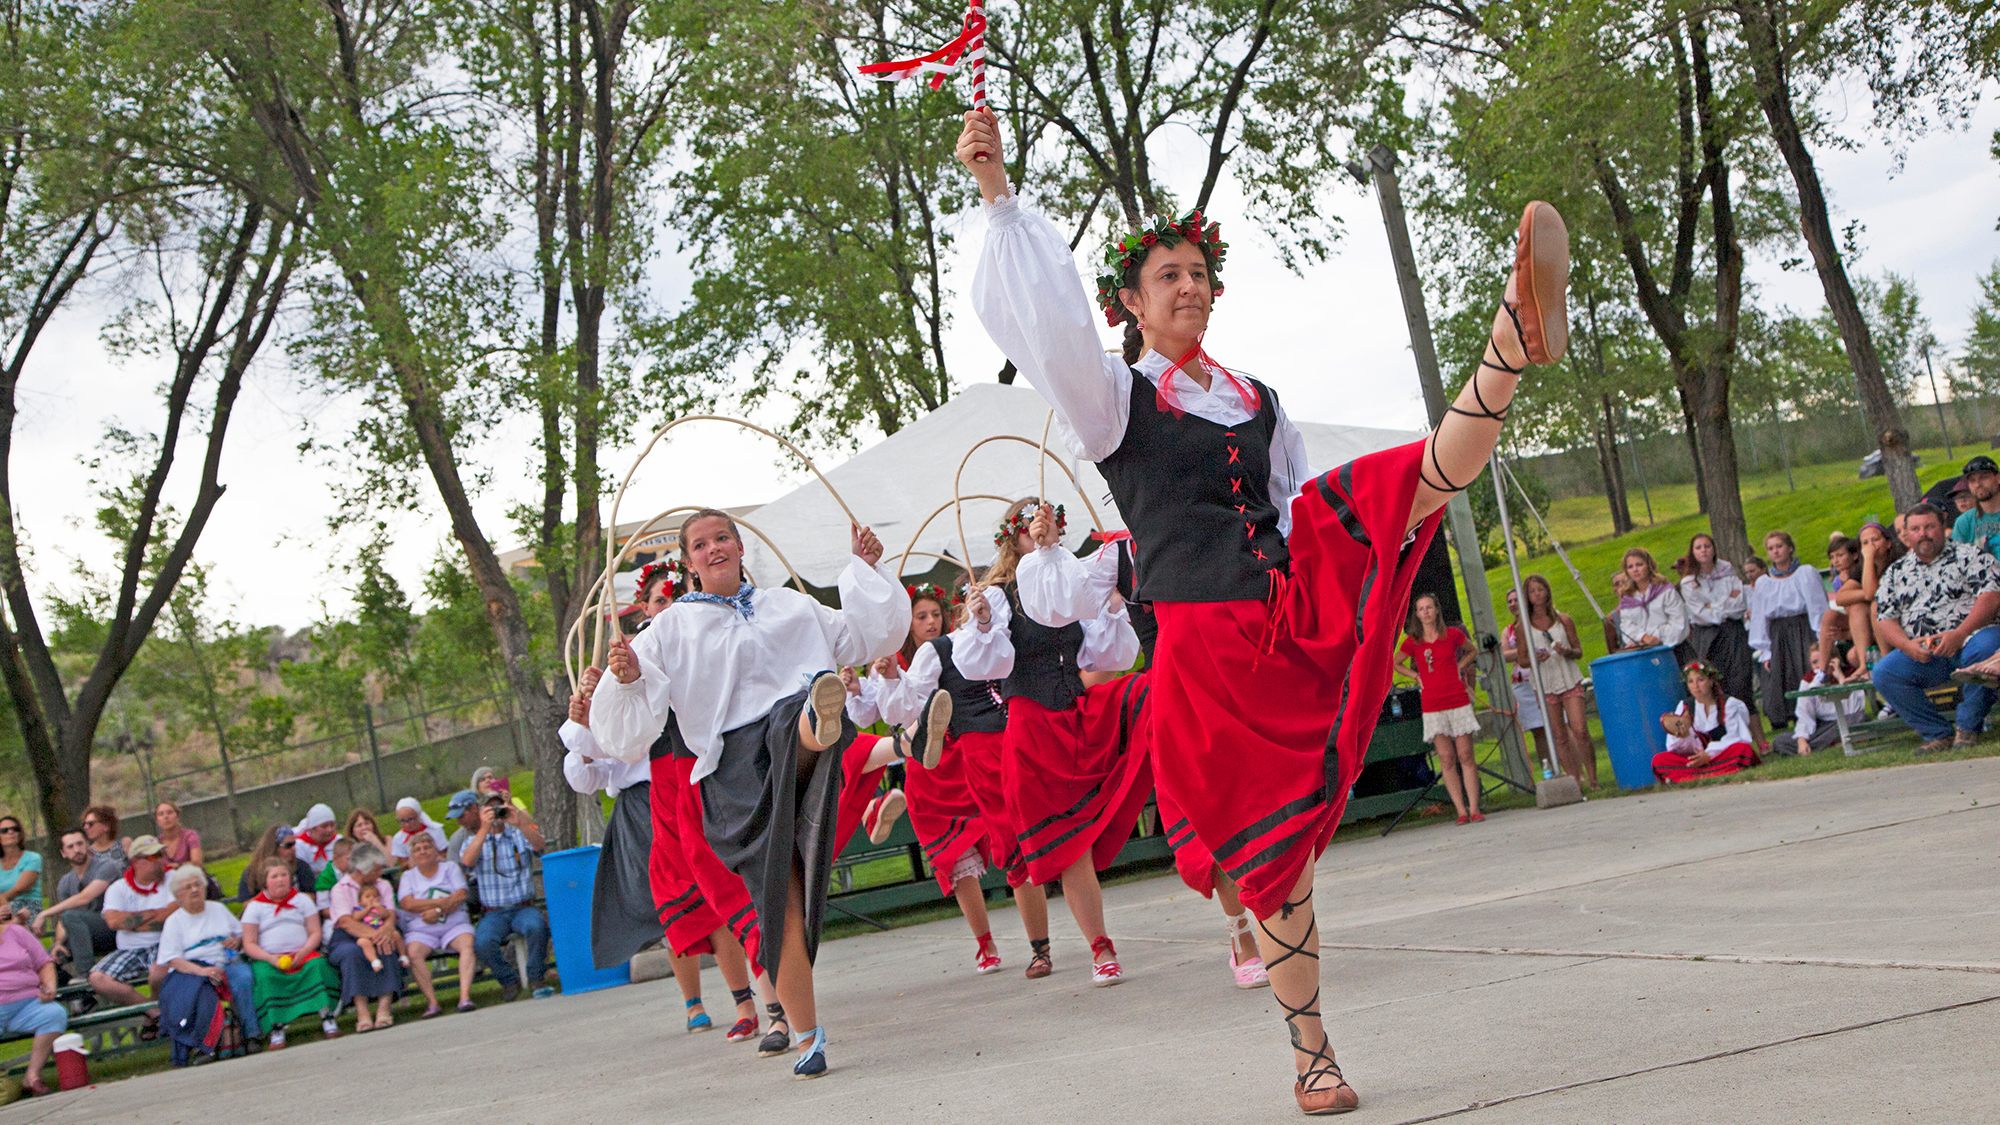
(1981, 463)
(461, 801)
(144, 846)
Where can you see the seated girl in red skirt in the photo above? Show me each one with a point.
(1720, 723)
(1436, 655)
(1075, 769)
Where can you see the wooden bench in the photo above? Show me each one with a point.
(1838, 693)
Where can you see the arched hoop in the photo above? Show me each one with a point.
(618, 500)
(964, 544)
(902, 566)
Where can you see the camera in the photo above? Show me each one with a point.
(499, 806)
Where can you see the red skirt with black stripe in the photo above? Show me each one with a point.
(1265, 709)
(981, 755)
(1076, 779)
(1192, 860)
(944, 814)
(728, 897)
(856, 789)
(684, 912)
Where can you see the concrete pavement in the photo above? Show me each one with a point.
(1814, 950)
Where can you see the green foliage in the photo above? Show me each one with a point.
(1978, 369)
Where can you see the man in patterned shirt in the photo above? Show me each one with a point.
(1936, 607)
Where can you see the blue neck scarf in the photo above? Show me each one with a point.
(740, 603)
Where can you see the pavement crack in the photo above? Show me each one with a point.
(1643, 955)
(1803, 1037)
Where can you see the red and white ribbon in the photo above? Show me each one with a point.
(969, 48)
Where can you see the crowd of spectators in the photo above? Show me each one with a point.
(332, 915)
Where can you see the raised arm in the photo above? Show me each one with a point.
(874, 613)
(1109, 642)
(1028, 296)
(629, 709)
(1058, 589)
(982, 648)
(586, 766)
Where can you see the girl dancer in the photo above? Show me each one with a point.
(727, 661)
(1204, 466)
(1436, 655)
(1075, 769)
(1059, 587)
(904, 689)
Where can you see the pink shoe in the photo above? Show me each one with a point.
(1248, 973)
(1107, 972)
(988, 959)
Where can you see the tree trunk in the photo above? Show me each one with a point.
(1710, 395)
(1772, 71)
(1612, 472)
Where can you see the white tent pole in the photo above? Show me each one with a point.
(1521, 599)
(1574, 575)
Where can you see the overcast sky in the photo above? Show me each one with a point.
(1332, 342)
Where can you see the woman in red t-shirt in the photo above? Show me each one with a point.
(1436, 655)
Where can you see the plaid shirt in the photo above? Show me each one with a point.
(505, 868)
(1937, 598)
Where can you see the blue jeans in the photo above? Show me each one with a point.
(1903, 682)
(243, 988)
(489, 941)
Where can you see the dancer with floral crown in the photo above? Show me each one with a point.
(1278, 592)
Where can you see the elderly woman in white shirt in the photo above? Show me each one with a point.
(202, 939)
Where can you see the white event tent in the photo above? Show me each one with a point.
(898, 482)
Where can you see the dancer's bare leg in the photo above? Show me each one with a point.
(972, 903)
(795, 992)
(1289, 937)
(687, 974)
(1033, 903)
(1085, 897)
(735, 969)
(1232, 908)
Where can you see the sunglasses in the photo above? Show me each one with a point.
(10, 828)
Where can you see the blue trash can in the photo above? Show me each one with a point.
(1633, 690)
(569, 879)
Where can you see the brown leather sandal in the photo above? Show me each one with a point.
(1541, 266)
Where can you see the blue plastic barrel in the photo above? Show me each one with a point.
(1633, 690)
(569, 879)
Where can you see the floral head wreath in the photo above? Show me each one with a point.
(933, 591)
(675, 568)
(1703, 667)
(1128, 253)
(1017, 524)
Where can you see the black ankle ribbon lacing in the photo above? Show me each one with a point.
(741, 995)
(1485, 412)
(1320, 1062)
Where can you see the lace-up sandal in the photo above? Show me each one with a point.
(1248, 972)
(1319, 1089)
(697, 1021)
(812, 1063)
(987, 960)
(779, 1039)
(1040, 964)
(937, 724)
(880, 817)
(828, 699)
(745, 1027)
(1107, 972)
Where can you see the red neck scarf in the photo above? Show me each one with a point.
(1165, 398)
(274, 904)
(322, 852)
(136, 888)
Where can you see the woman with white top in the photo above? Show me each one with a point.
(1721, 726)
(1249, 558)
(1650, 609)
(1793, 598)
(431, 894)
(281, 937)
(1552, 639)
(1076, 771)
(1718, 629)
(412, 821)
(727, 661)
(198, 947)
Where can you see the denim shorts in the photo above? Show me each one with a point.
(32, 1017)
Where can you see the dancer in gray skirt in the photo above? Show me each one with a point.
(749, 672)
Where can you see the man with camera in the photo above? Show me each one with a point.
(498, 855)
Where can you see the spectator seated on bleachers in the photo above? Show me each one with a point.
(198, 950)
(1935, 609)
(27, 994)
(432, 896)
(136, 908)
(282, 938)
(82, 935)
(280, 841)
(500, 857)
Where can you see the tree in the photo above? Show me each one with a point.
(1978, 368)
(79, 196)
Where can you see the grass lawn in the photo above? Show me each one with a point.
(1828, 499)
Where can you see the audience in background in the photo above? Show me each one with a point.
(1815, 721)
(1718, 741)
(316, 834)
(1650, 609)
(100, 827)
(279, 841)
(1437, 655)
(20, 867)
(82, 935)
(322, 885)
(282, 939)
(198, 951)
(136, 907)
(1794, 600)
(412, 821)
(1979, 524)
(1527, 708)
(463, 810)
(499, 855)
(488, 782)
(362, 978)
(1718, 613)
(183, 844)
(27, 994)
(362, 827)
(1556, 646)
(1935, 609)
(432, 895)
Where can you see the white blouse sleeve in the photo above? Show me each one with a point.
(1673, 619)
(1109, 642)
(1814, 591)
(1805, 713)
(1026, 292)
(1290, 468)
(985, 654)
(1733, 604)
(864, 707)
(1736, 723)
(626, 718)
(1058, 589)
(917, 682)
(873, 618)
(583, 776)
